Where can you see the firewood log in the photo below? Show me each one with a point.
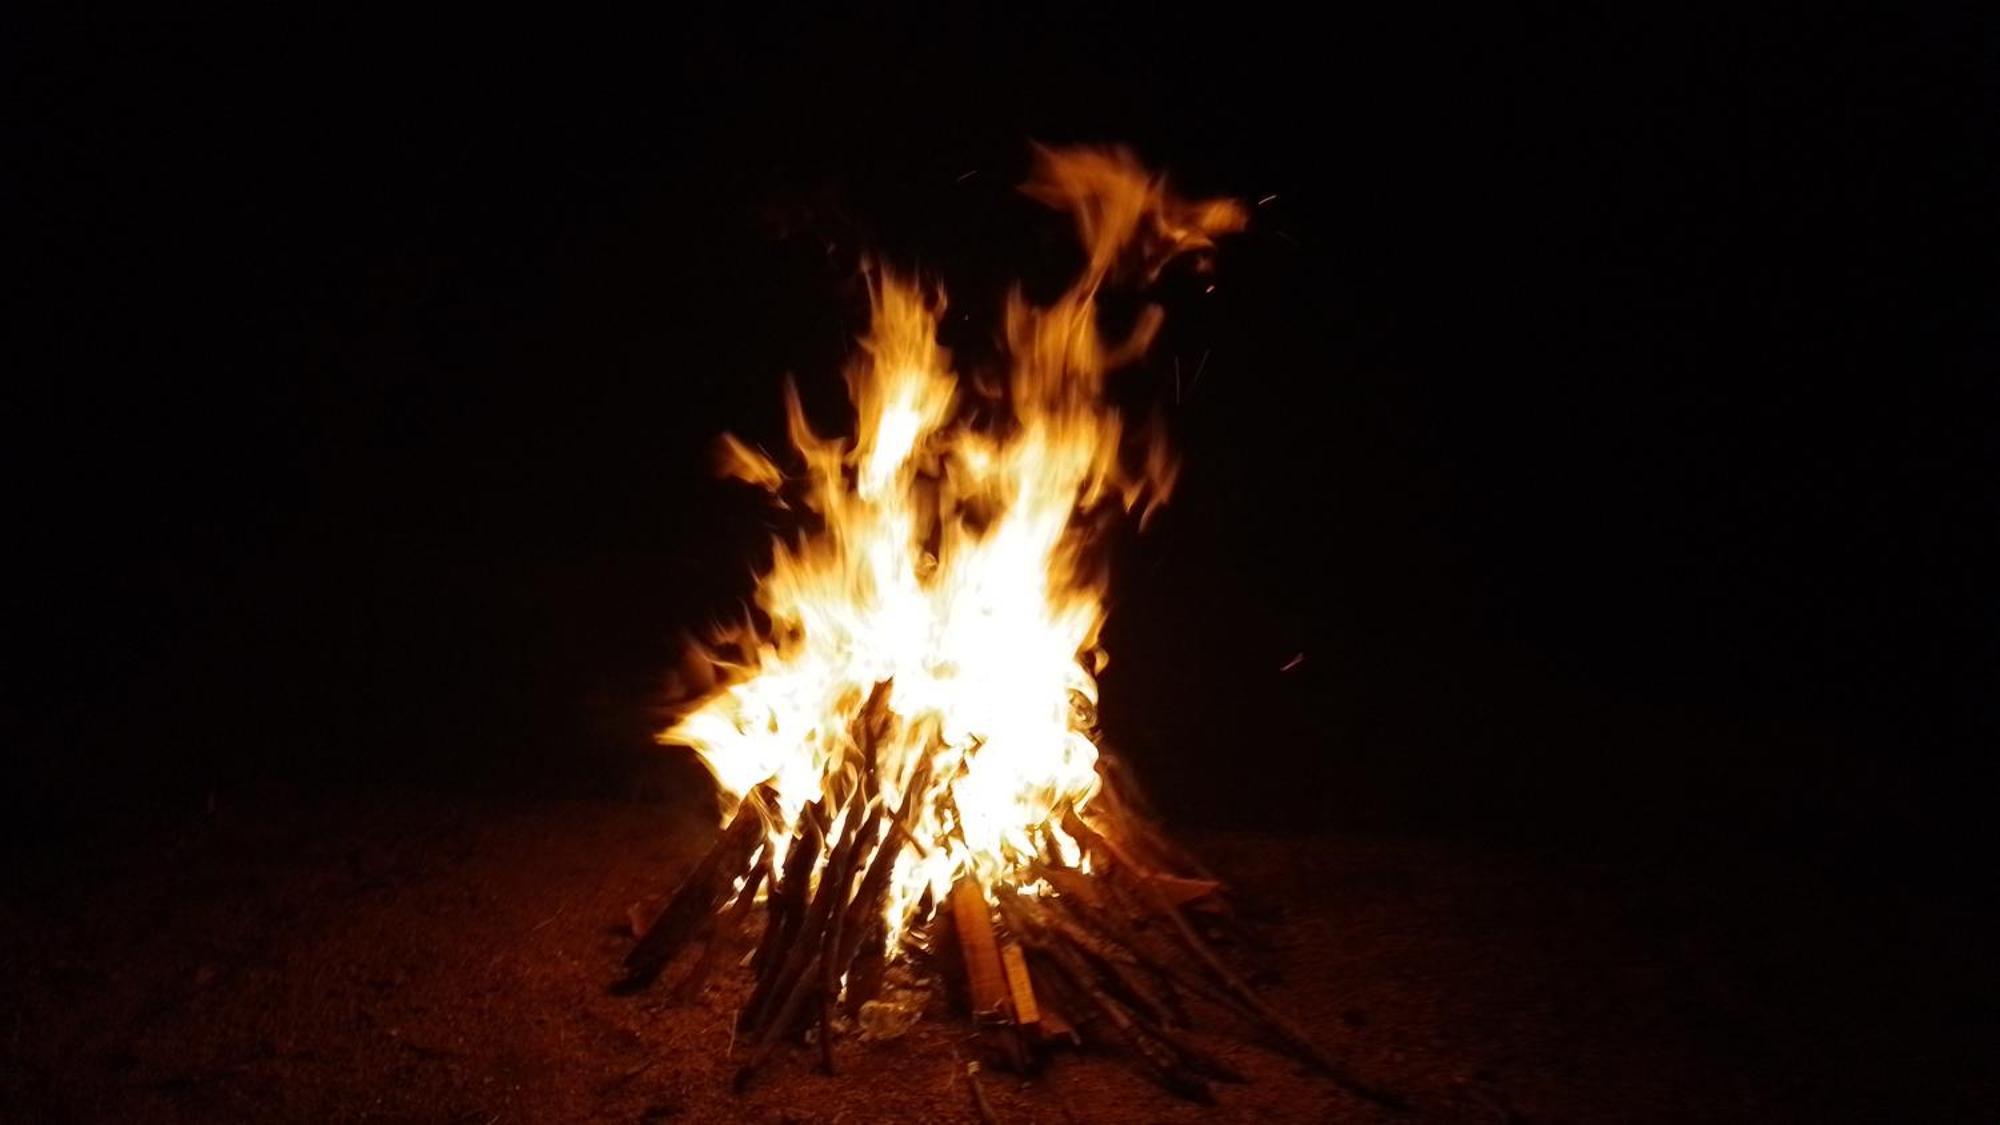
(724, 933)
(985, 979)
(778, 1027)
(1285, 1034)
(786, 913)
(818, 934)
(811, 936)
(866, 907)
(866, 969)
(1101, 924)
(696, 898)
(1152, 1049)
(1124, 801)
(838, 949)
(1020, 985)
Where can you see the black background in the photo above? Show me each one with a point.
(1600, 406)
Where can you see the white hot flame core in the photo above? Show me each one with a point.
(951, 560)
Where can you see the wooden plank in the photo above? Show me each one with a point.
(985, 978)
(1020, 986)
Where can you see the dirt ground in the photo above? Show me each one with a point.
(426, 960)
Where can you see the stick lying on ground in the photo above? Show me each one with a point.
(1286, 1034)
(1113, 943)
(727, 926)
(700, 892)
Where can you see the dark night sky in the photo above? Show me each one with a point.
(1601, 407)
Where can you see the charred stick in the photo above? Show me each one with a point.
(1122, 803)
(787, 913)
(801, 937)
(867, 904)
(1151, 898)
(1062, 918)
(1237, 992)
(871, 725)
(859, 920)
(979, 1103)
(1218, 987)
(837, 951)
(1201, 1059)
(1045, 846)
(1130, 983)
(775, 1031)
(857, 845)
(1123, 969)
(1287, 1034)
(1009, 1044)
(1056, 998)
(696, 898)
(825, 1005)
(835, 881)
(829, 983)
(1153, 856)
(811, 936)
(1055, 1026)
(1198, 894)
(1131, 799)
(853, 924)
(789, 903)
(1168, 959)
(1071, 883)
(726, 930)
(1156, 1044)
(1156, 1009)
(1152, 1014)
(1152, 1048)
(871, 960)
(1104, 932)
(807, 973)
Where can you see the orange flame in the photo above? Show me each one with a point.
(951, 559)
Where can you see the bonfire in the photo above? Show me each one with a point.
(904, 733)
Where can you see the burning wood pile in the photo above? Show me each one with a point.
(906, 728)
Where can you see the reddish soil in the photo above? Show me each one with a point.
(420, 961)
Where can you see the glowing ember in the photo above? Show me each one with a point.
(951, 558)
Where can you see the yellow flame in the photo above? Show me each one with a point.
(950, 558)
